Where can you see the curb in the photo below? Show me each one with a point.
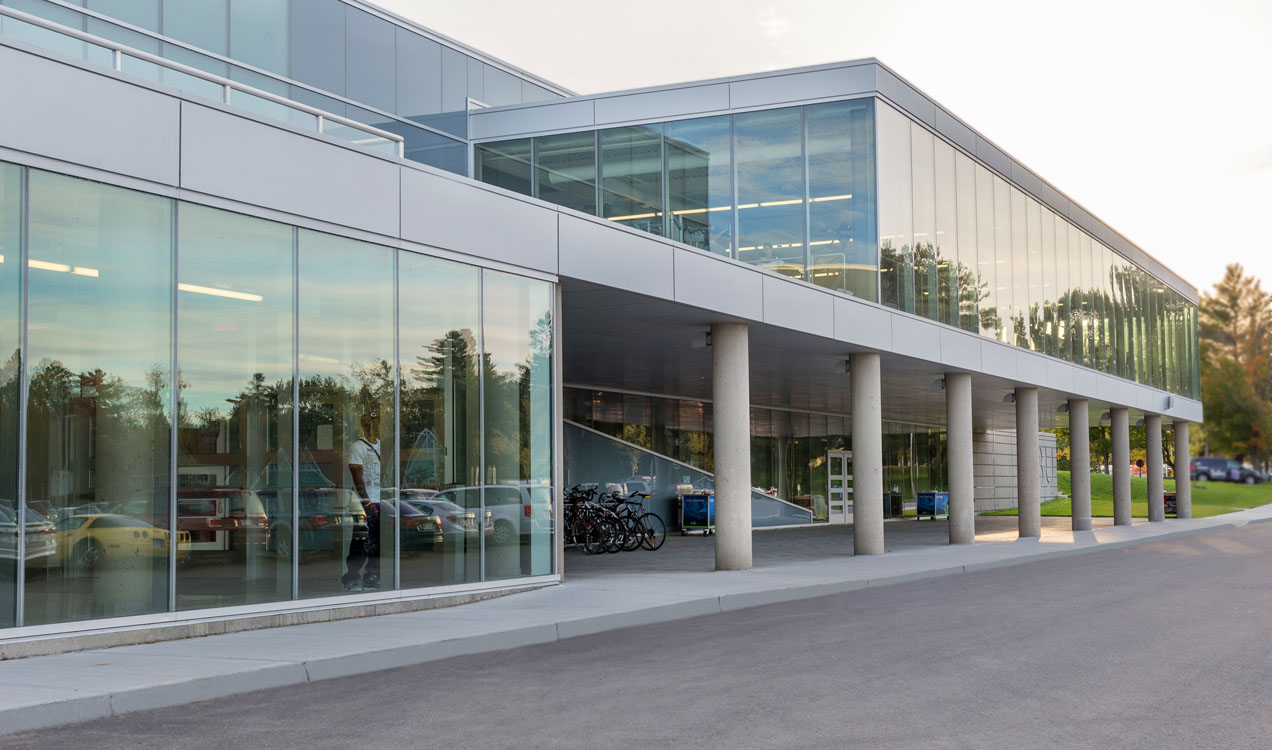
(285, 674)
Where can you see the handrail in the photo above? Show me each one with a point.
(226, 85)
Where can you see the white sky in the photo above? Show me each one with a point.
(1154, 115)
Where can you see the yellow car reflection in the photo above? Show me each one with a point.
(88, 541)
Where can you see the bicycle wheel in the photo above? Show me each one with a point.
(632, 533)
(653, 531)
(596, 536)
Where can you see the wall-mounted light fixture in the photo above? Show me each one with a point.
(1105, 417)
(701, 340)
(842, 367)
(1062, 409)
(938, 384)
(1010, 398)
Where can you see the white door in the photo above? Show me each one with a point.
(839, 485)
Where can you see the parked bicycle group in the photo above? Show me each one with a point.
(611, 522)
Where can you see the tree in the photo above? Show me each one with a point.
(1235, 331)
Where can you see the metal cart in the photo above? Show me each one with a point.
(697, 513)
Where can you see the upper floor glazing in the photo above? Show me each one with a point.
(857, 197)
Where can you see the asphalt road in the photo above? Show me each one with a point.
(1164, 645)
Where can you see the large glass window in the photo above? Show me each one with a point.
(986, 255)
(346, 413)
(768, 148)
(631, 177)
(923, 195)
(371, 60)
(317, 44)
(565, 170)
(700, 183)
(896, 259)
(946, 234)
(1004, 290)
(10, 382)
(1035, 314)
(419, 80)
(970, 286)
(259, 33)
(1047, 274)
(202, 24)
(235, 319)
(1020, 270)
(99, 404)
(1064, 290)
(517, 375)
(505, 164)
(443, 523)
(840, 155)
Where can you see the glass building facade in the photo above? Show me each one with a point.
(790, 189)
(960, 245)
(200, 408)
(327, 54)
(798, 190)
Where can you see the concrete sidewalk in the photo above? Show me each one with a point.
(46, 691)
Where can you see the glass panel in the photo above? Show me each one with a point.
(454, 118)
(517, 341)
(700, 183)
(426, 147)
(1064, 288)
(346, 413)
(260, 106)
(631, 177)
(1002, 263)
(986, 255)
(768, 148)
(130, 38)
(234, 478)
(40, 545)
(923, 182)
(565, 168)
(840, 155)
(895, 210)
(1020, 271)
(1047, 279)
(51, 40)
(442, 519)
(946, 234)
(143, 13)
(203, 24)
(317, 44)
(970, 286)
(419, 75)
(506, 164)
(501, 87)
(370, 58)
(99, 404)
(1077, 305)
(532, 93)
(259, 33)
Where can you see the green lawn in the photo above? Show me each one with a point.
(1208, 498)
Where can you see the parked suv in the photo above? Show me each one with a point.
(1221, 469)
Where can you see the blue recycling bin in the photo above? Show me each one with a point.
(932, 504)
(697, 513)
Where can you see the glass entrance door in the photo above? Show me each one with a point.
(839, 485)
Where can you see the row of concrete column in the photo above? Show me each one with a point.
(732, 409)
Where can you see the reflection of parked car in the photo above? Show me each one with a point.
(331, 519)
(88, 541)
(517, 509)
(457, 523)
(217, 519)
(41, 542)
(420, 530)
(1221, 469)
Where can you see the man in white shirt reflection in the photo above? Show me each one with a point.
(364, 468)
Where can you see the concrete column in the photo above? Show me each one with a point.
(958, 420)
(1183, 480)
(731, 412)
(1153, 462)
(867, 455)
(1080, 463)
(1028, 464)
(1121, 466)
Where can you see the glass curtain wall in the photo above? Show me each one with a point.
(803, 179)
(962, 246)
(276, 349)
